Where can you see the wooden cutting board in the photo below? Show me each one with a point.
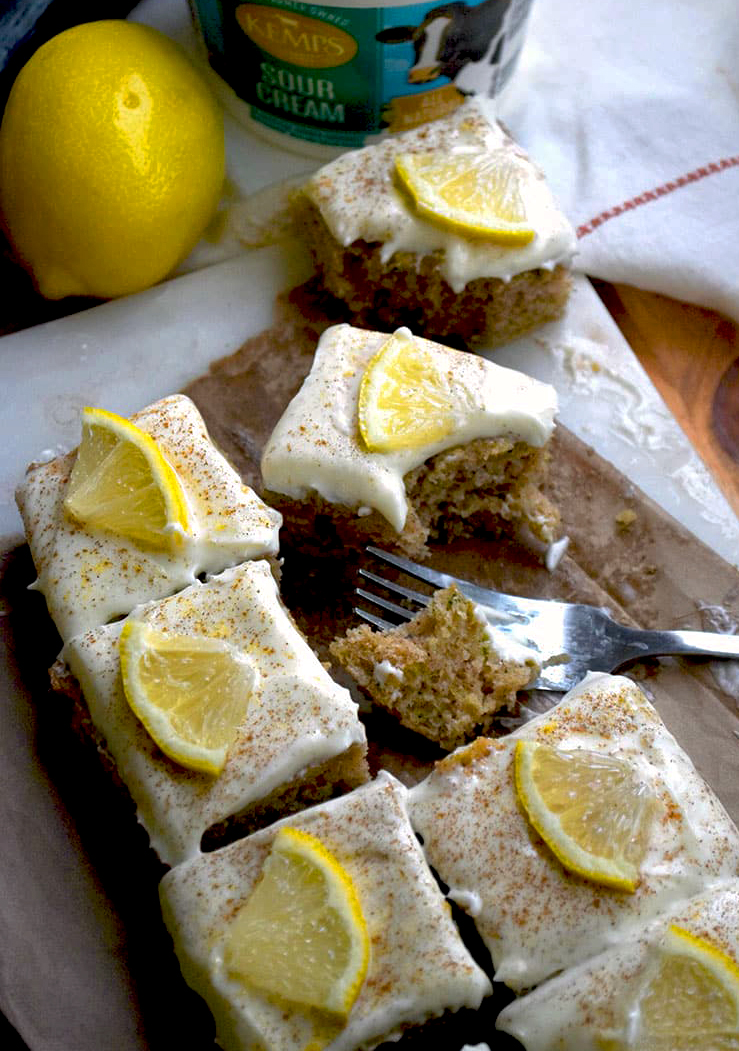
(692, 357)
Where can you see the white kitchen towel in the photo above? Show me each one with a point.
(632, 109)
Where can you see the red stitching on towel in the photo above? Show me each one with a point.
(659, 191)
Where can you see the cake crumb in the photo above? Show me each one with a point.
(444, 674)
(625, 518)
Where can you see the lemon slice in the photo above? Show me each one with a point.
(405, 399)
(475, 193)
(190, 692)
(301, 935)
(122, 483)
(690, 1001)
(590, 809)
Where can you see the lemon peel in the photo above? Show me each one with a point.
(589, 808)
(301, 934)
(122, 483)
(476, 193)
(405, 400)
(689, 1000)
(190, 692)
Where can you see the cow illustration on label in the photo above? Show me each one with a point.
(466, 43)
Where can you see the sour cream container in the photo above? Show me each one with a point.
(319, 78)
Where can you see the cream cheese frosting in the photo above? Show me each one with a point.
(503, 645)
(297, 717)
(587, 1006)
(418, 968)
(88, 577)
(359, 199)
(535, 917)
(316, 444)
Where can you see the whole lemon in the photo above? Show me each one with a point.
(111, 160)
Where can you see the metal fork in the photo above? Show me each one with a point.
(569, 639)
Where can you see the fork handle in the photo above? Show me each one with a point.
(696, 643)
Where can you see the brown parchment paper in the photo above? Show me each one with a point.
(85, 964)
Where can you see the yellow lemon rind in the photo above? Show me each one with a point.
(162, 474)
(378, 388)
(340, 898)
(682, 941)
(470, 225)
(574, 858)
(670, 1033)
(304, 843)
(134, 639)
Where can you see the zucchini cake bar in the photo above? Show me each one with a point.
(299, 742)
(89, 576)
(462, 449)
(536, 914)
(656, 991)
(393, 264)
(418, 966)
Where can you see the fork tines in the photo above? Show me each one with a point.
(496, 602)
(401, 612)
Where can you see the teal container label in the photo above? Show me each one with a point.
(337, 75)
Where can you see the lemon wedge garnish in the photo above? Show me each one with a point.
(690, 1000)
(301, 935)
(122, 483)
(590, 809)
(476, 193)
(405, 400)
(190, 692)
